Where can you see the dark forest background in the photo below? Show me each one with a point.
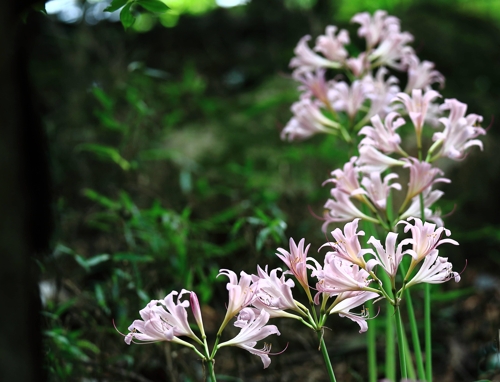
(151, 158)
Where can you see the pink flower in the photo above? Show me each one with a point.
(417, 106)
(390, 257)
(459, 130)
(425, 238)
(422, 176)
(347, 98)
(372, 160)
(383, 136)
(346, 180)
(430, 197)
(332, 46)
(341, 209)
(195, 308)
(241, 294)
(346, 245)
(314, 83)
(378, 191)
(381, 92)
(352, 301)
(434, 270)
(274, 294)
(306, 60)
(358, 65)
(162, 320)
(376, 28)
(392, 49)
(253, 328)
(338, 276)
(421, 74)
(296, 261)
(308, 120)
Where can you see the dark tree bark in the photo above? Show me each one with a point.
(24, 203)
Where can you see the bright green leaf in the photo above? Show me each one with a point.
(153, 5)
(115, 5)
(126, 16)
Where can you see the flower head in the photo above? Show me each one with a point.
(390, 256)
(296, 261)
(378, 191)
(434, 270)
(422, 176)
(375, 28)
(331, 45)
(350, 301)
(253, 328)
(306, 60)
(421, 74)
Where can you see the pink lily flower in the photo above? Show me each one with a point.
(346, 180)
(337, 276)
(380, 92)
(274, 293)
(425, 237)
(417, 106)
(383, 136)
(346, 245)
(422, 176)
(241, 294)
(434, 270)
(459, 130)
(314, 83)
(392, 49)
(378, 191)
(372, 160)
(389, 257)
(373, 29)
(352, 301)
(332, 46)
(162, 320)
(347, 98)
(430, 197)
(253, 328)
(341, 209)
(296, 261)
(308, 120)
(421, 74)
(306, 60)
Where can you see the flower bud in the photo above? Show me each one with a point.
(195, 307)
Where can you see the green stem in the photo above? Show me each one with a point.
(390, 359)
(326, 357)
(427, 330)
(409, 361)
(371, 339)
(401, 345)
(211, 371)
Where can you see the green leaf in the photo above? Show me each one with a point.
(93, 261)
(106, 153)
(126, 16)
(115, 5)
(153, 5)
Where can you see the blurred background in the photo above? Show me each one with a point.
(166, 165)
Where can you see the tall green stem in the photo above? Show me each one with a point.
(326, 357)
(401, 344)
(390, 349)
(371, 338)
(428, 335)
(211, 371)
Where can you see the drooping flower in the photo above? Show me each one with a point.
(459, 130)
(346, 245)
(378, 191)
(331, 45)
(380, 92)
(347, 98)
(421, 75)
(389, 257)
(307, 121)
(346, 180)
(434, 270)
(383, 136)
(306, 60)
(430, 197)
(296, 261)
(344, 305)
(372, 160)
(417, 106)
(241, 293)
(253, 328)
(162, 320)
(375, 28)
(422, 176)
(274, 293)
(338, 276)
(341, 209)
(425, 238)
